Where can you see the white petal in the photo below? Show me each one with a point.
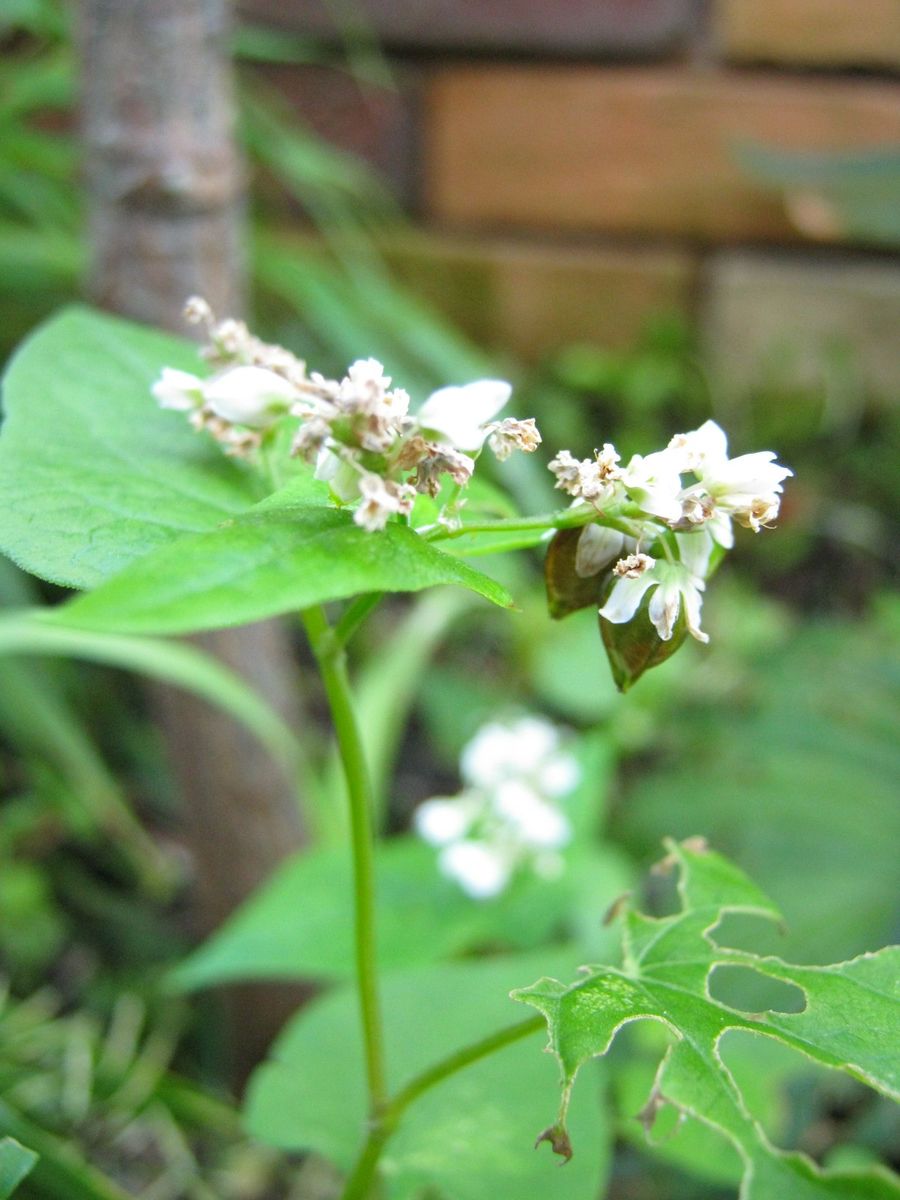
(596, 549)
(721, 530)
(542, 826)
(178, 389)
(625, 598)
(248, 395)
(489, 756)
(692, 604)
(654, 483)
(441, 821)
(511, 797)
(478, 868)
(750, 475)
(665, 604)
(707, 444)
(559, 775)
(457, 414)
(340, 476)
(694, 550)
(534, 738)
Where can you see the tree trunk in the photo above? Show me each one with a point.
(164, 185)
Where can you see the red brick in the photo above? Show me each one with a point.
(632, 150)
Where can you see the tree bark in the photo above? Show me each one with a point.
(165, 197)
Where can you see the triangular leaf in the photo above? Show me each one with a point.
(299, 924)
(467, 1138)
(93, 474)
(849, 1021)
(264, 564)
(16, 1162)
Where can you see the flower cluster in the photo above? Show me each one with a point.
(358, 431)
(506, 817)
(680, 504)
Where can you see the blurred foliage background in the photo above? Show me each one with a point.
(777, 742)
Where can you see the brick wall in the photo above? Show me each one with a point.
(574, 166)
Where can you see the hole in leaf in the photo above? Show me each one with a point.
(749, 931)
(750, 991)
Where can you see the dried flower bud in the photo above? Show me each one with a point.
(633, 566)
(380, 499)
(511, 434)
(197, 311)
(444, 461)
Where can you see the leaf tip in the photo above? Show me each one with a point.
(616, 909)
(693, 845)
(558, 1137)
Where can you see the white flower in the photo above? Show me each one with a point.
(480, 869)
(675, 585)
(499, 751)
(706, 444)
(558, 775)
(249, 396)
(653, 481)
(505, 819)
(536, 823)
(381, 498)
(746, 487)
(458, 415)
(439, 821)
(178, 389)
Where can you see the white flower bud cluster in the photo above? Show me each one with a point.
(358, 431)
(682, 499)
(506, 819)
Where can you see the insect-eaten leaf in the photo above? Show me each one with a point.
(849, 1013)
(634, 646)
(567, 591)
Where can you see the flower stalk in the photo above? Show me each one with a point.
(330, 657)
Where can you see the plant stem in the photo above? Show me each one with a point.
(354, 615)
(457, 1061)
(332, 664)
(359, 1182)
(568, 518)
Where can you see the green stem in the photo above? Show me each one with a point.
(568, 518)
(432, 1076)
(332, 664)
(359, 1182)
(354, 615)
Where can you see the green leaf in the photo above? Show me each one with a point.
(467, 1138)
(299, 925)
(567, 591)
(30, 633)
(634, 646)
(264, 564)
(848, 1021)
(816, 765)
(15, 1163)
(93, 474)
